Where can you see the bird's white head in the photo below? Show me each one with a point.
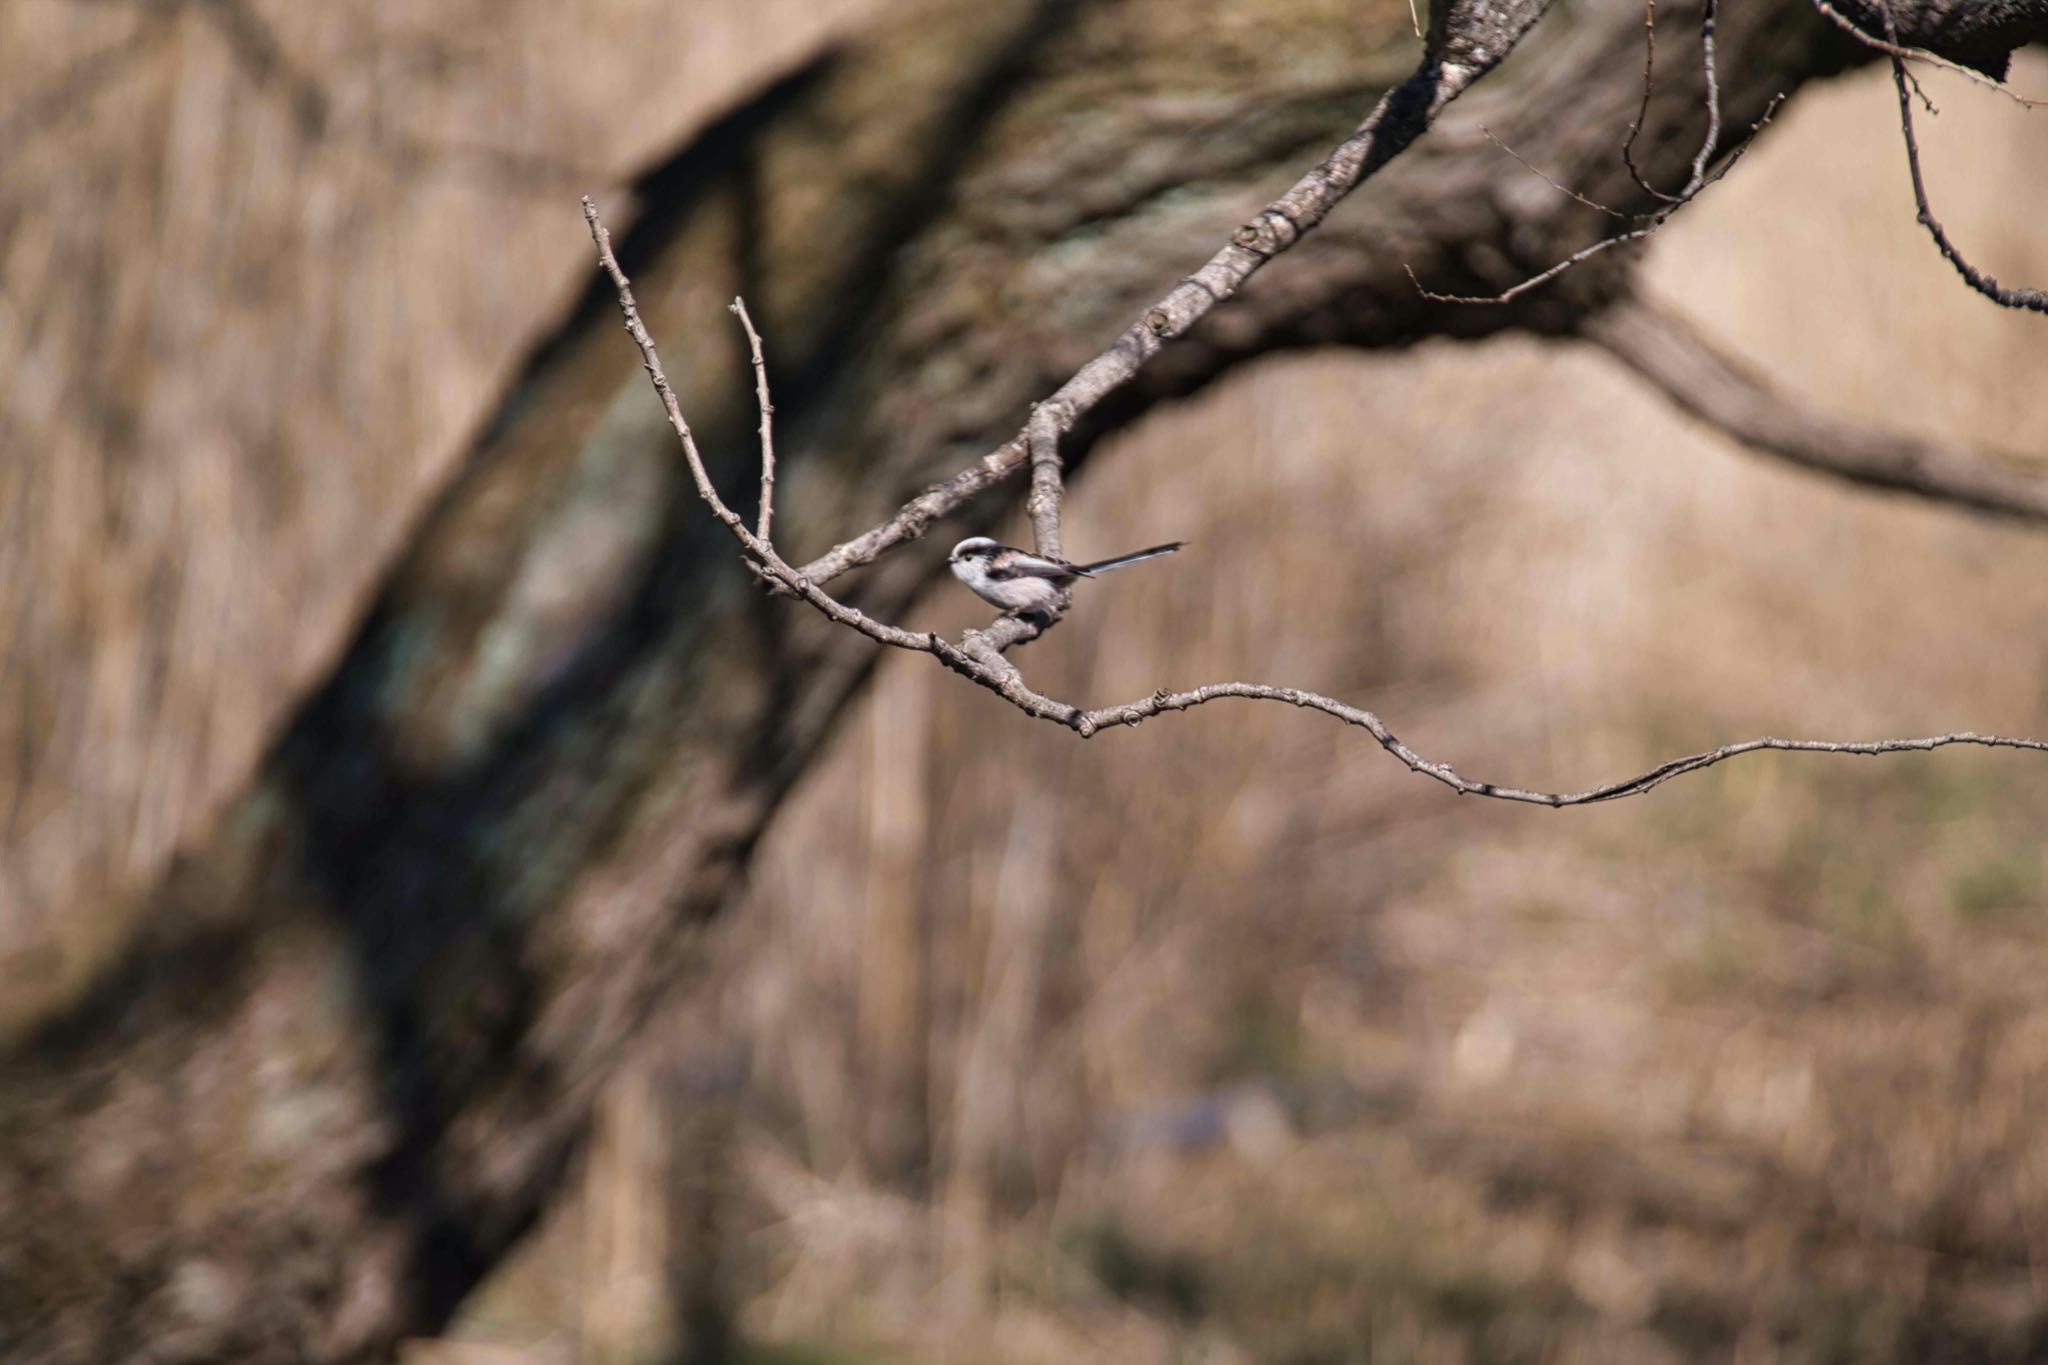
(974, 547)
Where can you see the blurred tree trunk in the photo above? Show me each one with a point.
(356, 1036)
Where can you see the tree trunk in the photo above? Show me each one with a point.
(356, 1037)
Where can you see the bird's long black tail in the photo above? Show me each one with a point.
(1105, 565)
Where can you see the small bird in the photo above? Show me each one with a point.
(1025, 584)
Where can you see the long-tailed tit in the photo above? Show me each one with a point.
(1025, 584)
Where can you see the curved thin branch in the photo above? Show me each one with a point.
(1665, 348)
(1566, 190)
(979, 655)
(2033, 300)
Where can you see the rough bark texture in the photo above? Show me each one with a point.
(355, 1037)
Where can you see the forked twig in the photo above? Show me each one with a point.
(2033, 300)
(1646, 224)
(1635, 127)
(978, 657)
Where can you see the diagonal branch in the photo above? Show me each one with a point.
(978, 657)
(1467, 38)
(1667, 350)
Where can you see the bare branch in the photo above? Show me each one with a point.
(2033, 300)
(1646, 224)
(979, 656)
(1466, 39)
(1635, 127)
(1537, 281)
(1667, 350)
(1552, 181)
(767, 517)
(760, 549)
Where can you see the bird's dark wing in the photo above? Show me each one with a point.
(1008, 564)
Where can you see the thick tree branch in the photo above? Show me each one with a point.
(1720, 389)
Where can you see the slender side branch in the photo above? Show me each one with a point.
(1466, 39)
(1666, 349)
(767, 517)
(979, 655)
(1635, 127)
(1554, 182)
(762, 551)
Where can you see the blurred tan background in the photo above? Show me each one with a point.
(1225, 1039)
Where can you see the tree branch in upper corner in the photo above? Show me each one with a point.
(1978, 34)
(1666, 349)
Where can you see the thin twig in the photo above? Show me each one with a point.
(1549, 180)
(979, 657)
(1920, 93)
(739, 308)
(1536, 281)
(1740, 149)
(2033, 300)
(1635, 127)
